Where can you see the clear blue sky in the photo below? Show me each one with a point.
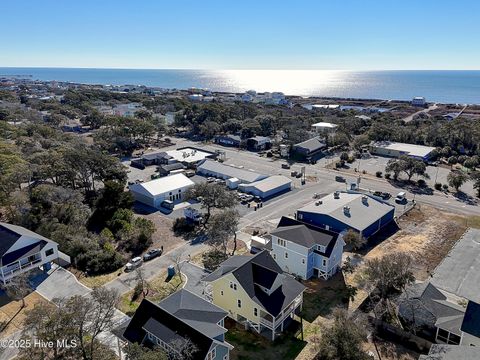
(246, 34)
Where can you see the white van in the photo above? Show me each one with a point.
(401, 197)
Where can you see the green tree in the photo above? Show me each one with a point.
(475, 176)
(211, 196)
(354, 239)
(456, 179)
(223, 226)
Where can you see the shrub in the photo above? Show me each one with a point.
(438, 186)
(421, 183)
(378, 174)
(137, 291)
(387, 176)
(182, 226)
(212, 259)
(445, 187)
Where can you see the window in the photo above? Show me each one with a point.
(221, 292)
(303, 260)
(281, 242)
(233, 285)
(239, 303)
(286, 255)
(442, 335)
(300, 216)
(274, 256)
(49, 252)
(255, 312)
(454, 339)
(324, 262)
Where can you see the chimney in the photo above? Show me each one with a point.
(346, 210)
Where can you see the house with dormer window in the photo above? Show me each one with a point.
(255, 292)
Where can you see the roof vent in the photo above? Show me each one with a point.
(319, 202)
(365, 199)
(346, 210)
(336, 195)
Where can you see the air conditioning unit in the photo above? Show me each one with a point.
(336, 195)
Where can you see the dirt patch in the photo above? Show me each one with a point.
(164, 235)
(12, 315)
(427, 234)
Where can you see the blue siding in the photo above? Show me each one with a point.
(323, 220)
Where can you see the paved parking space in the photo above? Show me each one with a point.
(194, 275)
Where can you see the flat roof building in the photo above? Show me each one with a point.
(269, 187)
(396, 149)
(153, 193)
(223, 171)
(341, 211)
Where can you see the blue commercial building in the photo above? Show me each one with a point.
(341, 211)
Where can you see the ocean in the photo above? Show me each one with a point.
(443, 86)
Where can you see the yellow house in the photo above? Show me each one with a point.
(256, 293)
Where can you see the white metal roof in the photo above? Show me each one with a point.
(188, 155)
(162, 185)
(410, 149)
(362, 213)
(230, 171)
(325, 125)
(269, 183)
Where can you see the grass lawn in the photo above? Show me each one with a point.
(12, 315)
(98, 280)
(160, 288)
(254, 346)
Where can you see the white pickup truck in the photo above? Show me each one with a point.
(192, 214)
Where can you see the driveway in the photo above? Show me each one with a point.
(59, 283)
(126, 281)
(194, 275)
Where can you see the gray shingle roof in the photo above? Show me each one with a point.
(451, 352)
(459, 272)
(302, 234)
(195, 311)
(260, 270)
(311, 145)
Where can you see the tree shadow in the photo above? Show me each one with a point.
(465, 198)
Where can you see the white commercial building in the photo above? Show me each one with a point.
(223, 171)
(153, 193)
(267, 188)
(395, 149)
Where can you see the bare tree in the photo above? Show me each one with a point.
(142, 286)
(18, 288)
(91, 316)
(182, 349)
(224, 226)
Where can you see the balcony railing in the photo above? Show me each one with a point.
(7, 272)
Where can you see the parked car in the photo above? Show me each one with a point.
(152, 254)
(210, 179)
(257, 199)
(340, 178)
(401, 197)
(134, 263)
(220, 181)
(285, 166)
(383, 195)
(167, 204)
(190, 173)
(294, 173)
(299, 175)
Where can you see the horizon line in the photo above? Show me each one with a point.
(211, 69)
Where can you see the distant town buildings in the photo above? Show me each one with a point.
(419, 101)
